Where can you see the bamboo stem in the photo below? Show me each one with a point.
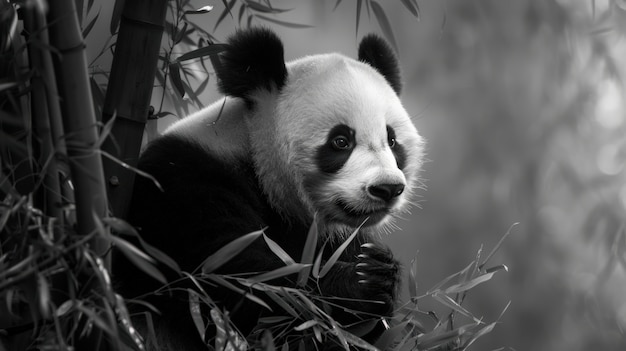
(129, 92)
(49, 195)
(81, 136)
(79, 120)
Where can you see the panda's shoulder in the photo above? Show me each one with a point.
(218, 129)
(177, 157)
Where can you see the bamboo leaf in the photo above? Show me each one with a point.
(105, 131)
(431, 340)
(96, 93)
(306, 325)
(199, 11)
(162, 114)
(318, 262)
(175, 79)
(359, 4)
(495, 249)
(356, 341)
(43, 294)
(90, 25)
(228, 251)
(116, 16)
(180, 33)
(210, 50)
(449, 302)
(413, 278)
(500, 267)
(457, 288)
(383, 21)
(279, 272)
(64, 308)
(282, 303)
(242, 10)
(308, 252)
(335, 256)
(278, 251)
(412, 6)
(483, 331)
(89, 5)
(337, 5)
(268, 341)
(202, 86)
(283, 23)
(95, 318)
(7, 85)
(438, 286)
(227, 11)
(262, 8)
(123, 227)
(138, 258)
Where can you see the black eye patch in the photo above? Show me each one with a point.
(398, 151)
(334, 153)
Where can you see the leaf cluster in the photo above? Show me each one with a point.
(300, 316)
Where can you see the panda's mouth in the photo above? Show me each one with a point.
(358, 214)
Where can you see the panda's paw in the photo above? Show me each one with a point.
(377, 274)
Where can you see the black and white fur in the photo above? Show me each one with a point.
(324, 134)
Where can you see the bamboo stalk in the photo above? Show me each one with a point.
(129, 92)
(81, 136)
(79, 120)
(49, 196)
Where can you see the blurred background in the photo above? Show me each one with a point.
(522, 105)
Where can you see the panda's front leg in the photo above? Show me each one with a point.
(366, 287)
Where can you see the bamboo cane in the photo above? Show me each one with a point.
(128, 94)
(81, 133)
(49, 195)
(79, 120)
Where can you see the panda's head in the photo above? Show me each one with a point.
(328, 134)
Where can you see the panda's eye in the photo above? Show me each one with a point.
(391, 137)
(341, 143)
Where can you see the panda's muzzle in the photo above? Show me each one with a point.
(355, 216)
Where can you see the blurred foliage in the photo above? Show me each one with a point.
(526, 123)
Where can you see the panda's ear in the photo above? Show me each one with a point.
(376, 52)
(253, 60)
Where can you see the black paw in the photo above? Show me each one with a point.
(377, 275)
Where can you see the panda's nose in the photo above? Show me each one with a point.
(386, 191)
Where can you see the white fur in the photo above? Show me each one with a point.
(284, 131)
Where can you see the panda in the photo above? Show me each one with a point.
(324, 137)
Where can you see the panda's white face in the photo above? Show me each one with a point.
(337, 133)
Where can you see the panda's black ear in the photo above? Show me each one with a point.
(253, 59)
(376, 52)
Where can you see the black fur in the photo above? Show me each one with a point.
(329, 159)
(397, 149)
(254, 59)
(377, 53)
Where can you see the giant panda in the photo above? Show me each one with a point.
(324, 137)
